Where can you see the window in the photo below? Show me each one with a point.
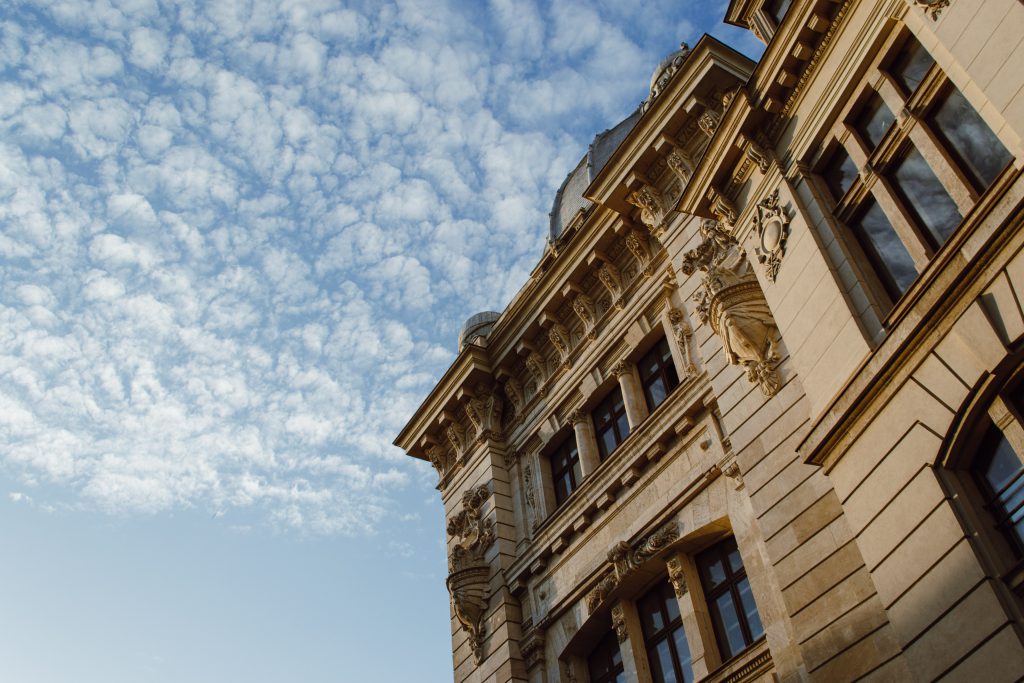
(730, 602)
(664, 638)
(610, 423)
(991, 473)
(565, 470)
(658, 375)
(903, 184)
(605, 661)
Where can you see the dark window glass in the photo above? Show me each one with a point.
(911, 65)
(610, 423)
(605, 662)
(664, 637)
(727, 591)
(873, 120)
(925, 196)
(658, 375)
(969, 139)
(565, 470)
(1000, 476)
(777, 9)
(839, 173)
(885, 250)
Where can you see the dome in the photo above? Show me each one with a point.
(569, 199)
(665, 70)
(478, 325)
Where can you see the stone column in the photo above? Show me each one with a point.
(586, 441)
(626, 624)
(632, 396)
(682, 574)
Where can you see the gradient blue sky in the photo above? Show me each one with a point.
(237, 241)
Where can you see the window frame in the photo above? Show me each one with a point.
(665, 591)
(666, 371)
(608, 404)
(721, 550)
(913, 126)
(601, 648)
(572, 465)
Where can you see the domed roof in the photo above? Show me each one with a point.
(478, 325)
(569, 199)
(664, 72)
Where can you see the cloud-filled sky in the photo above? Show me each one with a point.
(238, 238)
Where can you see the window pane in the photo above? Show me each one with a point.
(980, 153)
(623, 425)
(926, 197)
(910, 67)
(605, 661)
(715, 574)
(839, 173)
(729, 622)
(874, 119)
(1002, 465)
(683, 652)
(750, 609)
(663, 671)
(668, 597)
(999, 472)
(883, 246)
(650, 614)
(777, 9)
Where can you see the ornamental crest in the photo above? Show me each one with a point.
(772, 226)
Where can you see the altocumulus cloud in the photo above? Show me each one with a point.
(237, 238)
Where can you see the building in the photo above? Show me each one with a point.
(757, 414)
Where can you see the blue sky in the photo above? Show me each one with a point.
(237, 241)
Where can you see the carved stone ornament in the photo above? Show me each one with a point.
(514, 391)
(558, 335)
(724, 209)
(439, 459)
(456, 435)
(532, 648)
(652, 207)
(665, 73)
(485, 413)
(933, 8)
(676, 576)
(730, 300)
(680, 164)
(772, 226)
(624, 559)
(758, 150)
(683, 335)
(535, 364)
(585, 310)
(709, 122)
(468, 572)
(638, 245)
(671, 282)
(608, 274)
(619, 623)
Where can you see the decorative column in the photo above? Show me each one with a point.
(632, 396)
(682, 574)
(586, 440)
(626, 624)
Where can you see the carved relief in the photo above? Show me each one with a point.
(772, 226)
(532, 648)
(456, 435)
(676, 576)
(637, 244)
(619, 623)
(624, 559)
(585, 310)
(439, 459)
(485, 414)
(559, 337)
(683, 335)
(730, 300)
(759, 152)
(709, 122)
(468, 572)
(514, 391)
(620, 368)
(933, 8)
(666, 74)
(652, 207)
(608, 274)
(680, 164)
(536, 366)
(724, 210)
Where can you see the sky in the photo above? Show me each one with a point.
(237, 241)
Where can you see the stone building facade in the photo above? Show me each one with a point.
(758, 413)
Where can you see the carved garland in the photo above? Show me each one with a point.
(624, 559)
(468, 572)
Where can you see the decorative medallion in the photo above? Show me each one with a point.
(772, 225)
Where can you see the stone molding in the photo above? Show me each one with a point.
(730, 300)
(624, 559)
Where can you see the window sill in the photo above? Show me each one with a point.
(752, 663)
